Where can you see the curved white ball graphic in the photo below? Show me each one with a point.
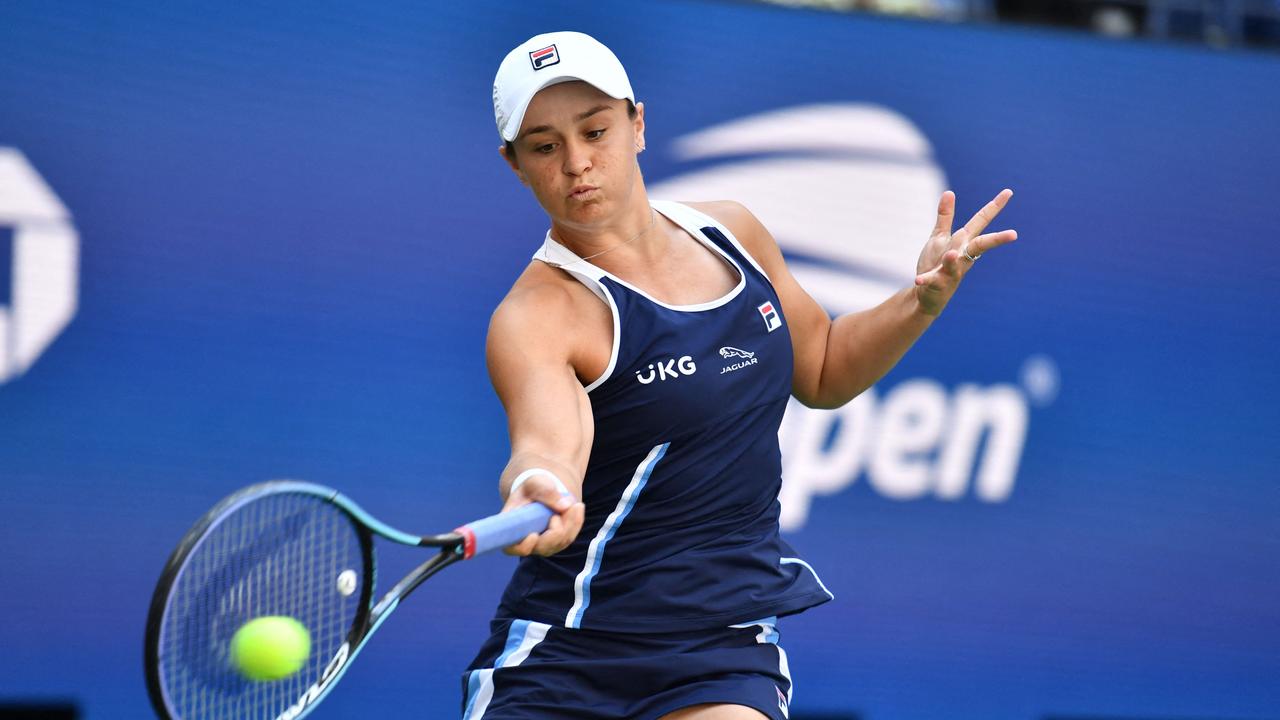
(849, 191)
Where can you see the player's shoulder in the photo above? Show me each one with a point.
(539, 294)
(730, 213)
(541, 304)
(744, 225)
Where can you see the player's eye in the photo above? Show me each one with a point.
(545, 149)
(596, 134)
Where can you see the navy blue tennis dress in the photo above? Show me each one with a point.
(669, 596)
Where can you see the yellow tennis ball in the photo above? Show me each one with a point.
(270, 647)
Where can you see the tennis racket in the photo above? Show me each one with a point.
(285, 548)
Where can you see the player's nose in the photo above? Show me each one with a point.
(577, 158)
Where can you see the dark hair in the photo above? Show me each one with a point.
(631, 113)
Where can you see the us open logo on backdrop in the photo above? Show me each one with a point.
(545, 57)
(39, 259)
(865, 200)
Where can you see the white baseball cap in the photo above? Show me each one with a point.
(552, 58)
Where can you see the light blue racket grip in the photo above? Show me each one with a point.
(503, 529)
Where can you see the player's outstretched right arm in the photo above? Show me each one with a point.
(530, 352)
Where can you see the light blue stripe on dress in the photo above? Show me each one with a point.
(522, 636)
(769, 635)
(595, 551)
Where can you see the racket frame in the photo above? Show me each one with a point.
(461, 544)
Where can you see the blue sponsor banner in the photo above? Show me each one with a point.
(264, 241)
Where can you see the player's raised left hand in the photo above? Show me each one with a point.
(948, 257)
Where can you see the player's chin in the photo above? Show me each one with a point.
(584, 211)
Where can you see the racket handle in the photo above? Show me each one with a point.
(503, 529)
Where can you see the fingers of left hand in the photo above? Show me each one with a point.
(949, 271)
(951, 264)
(983, 217)
(983, 243)
(946, 214)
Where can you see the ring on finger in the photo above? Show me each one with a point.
(964, 253)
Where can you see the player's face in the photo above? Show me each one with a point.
(577, 151)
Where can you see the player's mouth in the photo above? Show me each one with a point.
(584, 192)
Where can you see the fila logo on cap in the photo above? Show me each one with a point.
(771, 319)
(545, 57)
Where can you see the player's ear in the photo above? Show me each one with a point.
(510, 156)
(638, 126)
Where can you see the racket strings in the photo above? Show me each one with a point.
(280, 554)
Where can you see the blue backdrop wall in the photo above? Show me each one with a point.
(263, 240)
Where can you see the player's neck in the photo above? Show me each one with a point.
(633, 234)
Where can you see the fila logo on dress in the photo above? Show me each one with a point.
(771, 318)
(668, 369)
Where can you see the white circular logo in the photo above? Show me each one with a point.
(850, 191)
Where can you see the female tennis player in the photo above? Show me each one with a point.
(645, 358)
